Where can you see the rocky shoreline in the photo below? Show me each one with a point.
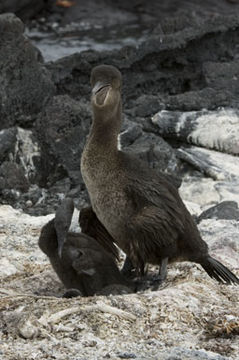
(174, 72)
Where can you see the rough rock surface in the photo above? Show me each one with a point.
(7, 142)
(193, 188)
(189, 317)
(23, 8)
(155, 151)
(19, 146)
(61, 129)
(12, 177)
(25, 83)
(179, 65)
(169, 65)
(217, 165)
(218, 130)
(225, 210)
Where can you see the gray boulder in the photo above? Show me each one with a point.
(25, 9)
(155, 151)
(7, 142)
(218, 129)
(25, 84)
(61, 130)
(12, 177)
(227, 210)
(174, 66)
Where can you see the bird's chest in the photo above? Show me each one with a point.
(110, 204)
(105, 184)
(108, 201)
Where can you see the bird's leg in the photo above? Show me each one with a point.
(127, 267)
(162, 274)
(163, 269)
(62, 222)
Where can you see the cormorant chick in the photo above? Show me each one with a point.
(82, 265)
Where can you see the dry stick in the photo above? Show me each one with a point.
(100, 306)
(112, 310)
(54, 318)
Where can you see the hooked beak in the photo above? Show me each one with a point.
(99, 86)
(61, 240)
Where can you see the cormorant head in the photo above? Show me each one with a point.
(106, 83)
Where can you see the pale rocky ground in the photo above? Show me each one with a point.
(189, 317)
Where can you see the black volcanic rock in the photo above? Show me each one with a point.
(155, 151)
(227, 210)
(222, 75)
(218, 130)
(61, 130)
(12, 177)
(175, 67)
(25, 84)
(108, 13)
(25, 9)
(130, 131)
(7, 142)
(187, 61)
(94, 11)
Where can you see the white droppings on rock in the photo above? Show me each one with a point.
(217, 165)
(26, 150)
(193, 189)
(182, 120)
(193, 207)
(207, 192)
(217, 130)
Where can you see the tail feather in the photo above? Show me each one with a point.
(218, 271)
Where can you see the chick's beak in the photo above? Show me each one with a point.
(61, 240)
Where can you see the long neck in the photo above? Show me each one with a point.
(104, 130)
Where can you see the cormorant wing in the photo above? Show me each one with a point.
(91, 226)
(155, 225)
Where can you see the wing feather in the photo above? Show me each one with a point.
(155, 226)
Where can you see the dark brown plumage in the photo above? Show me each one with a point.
(82, 264)
(91, 226)
(140, 209)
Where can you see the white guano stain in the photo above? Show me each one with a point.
(182, 120)
(217, 130)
